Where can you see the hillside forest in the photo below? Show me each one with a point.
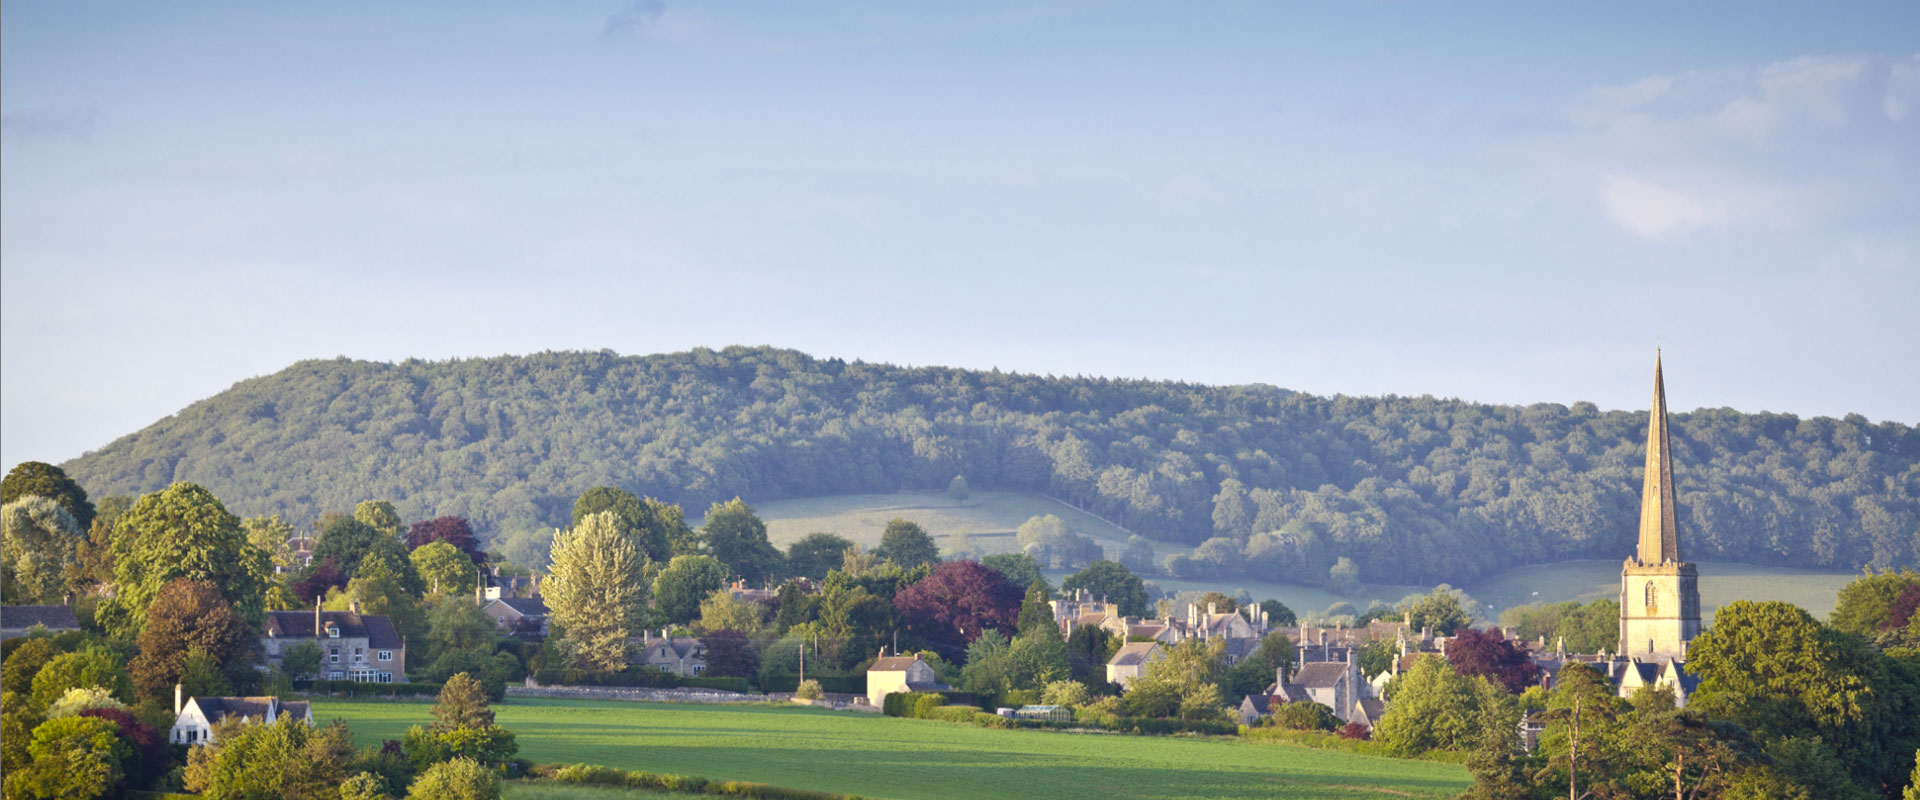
(1264, 483)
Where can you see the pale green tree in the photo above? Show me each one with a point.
(722, 611)
(379, 515)
(271, 535)
(687, 581)
(458, 779)
(595, 593)
(181, 532)
(445, 569)
(38, 543)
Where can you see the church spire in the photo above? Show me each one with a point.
(1659, 533)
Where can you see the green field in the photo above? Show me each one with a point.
(887, 757)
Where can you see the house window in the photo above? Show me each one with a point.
(386, 677)
(386, 655)
(333, 655)
(359, 655)
(336, 675)
(192, 735)
(333, 632)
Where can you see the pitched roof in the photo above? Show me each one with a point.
(218, 708)
(1372, 708)
(54, 617)
(1261, 703)
(893, 664)
(377, 629)
(1133, 654)
(1321, 674)
(526, 606)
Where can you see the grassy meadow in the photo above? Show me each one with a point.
(987, 519)
(888, 757)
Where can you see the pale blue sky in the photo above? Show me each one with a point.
(1501, 202)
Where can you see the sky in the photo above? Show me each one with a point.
(1501, 202)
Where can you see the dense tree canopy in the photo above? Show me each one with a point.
(37, 479)
(182, 532)
(39, 543)
(1115, 583)
(595, 592)
(951, 607)
(1410, 488)
(737, 538)
(816, 554)
(907, 544)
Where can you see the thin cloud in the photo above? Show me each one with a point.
(636, 17)
(57, 124)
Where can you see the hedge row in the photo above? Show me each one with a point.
(590, 775)
(837, 684)
(352, 689)
(911, 704)
(1333, 741)
(637, 677)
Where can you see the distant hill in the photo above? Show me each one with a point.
(1271, 484)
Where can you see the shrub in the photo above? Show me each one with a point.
(459, 779)
(1065, 693)
(808, 690)
(911, 704)
(1356, 730)
(836, 684)
(1304, 715)
(352, 689)
(952, 713)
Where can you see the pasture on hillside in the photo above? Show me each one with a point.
(889, 757)
(988, 518)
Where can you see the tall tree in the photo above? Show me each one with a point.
(453, 530)
(952, 606)
(637, 518)
(445, 569)
(346, 541)
(40, 479)
(816, 554)
(1432, 707)
(1035, 611)
(1488, 654)
(182, 532)
(907, 544)
(1019, 568)
(736, 536)
(187, 615)
(461, 704)
(595, 593)
(39, 547)
(1116, 583)
(273, 536)
(687, 580)
(380, 516)
(1232, 511)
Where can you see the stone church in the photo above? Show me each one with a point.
(1659, 593)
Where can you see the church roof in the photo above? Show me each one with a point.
(1659, 529)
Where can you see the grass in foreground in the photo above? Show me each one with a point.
(548, 790)
(887, 757)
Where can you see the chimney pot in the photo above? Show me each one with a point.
(176, 699)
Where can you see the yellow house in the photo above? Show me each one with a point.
(899, 674)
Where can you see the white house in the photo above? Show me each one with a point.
(193, 720)
(899, 674)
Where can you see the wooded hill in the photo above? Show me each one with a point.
(1272, 484)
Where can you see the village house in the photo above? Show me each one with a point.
(194, 719)
(18, 621)
(890, 674)
(363, 648)
(518, 613)
(738, 590)
(1132, 660)
(1080, 603)
(1334, 684)
(684, 656)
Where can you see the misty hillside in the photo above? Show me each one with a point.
(1282, 483)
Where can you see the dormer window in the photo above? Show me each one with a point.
(333, 632)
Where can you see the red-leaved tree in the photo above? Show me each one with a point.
(185, 615)
(951, 607)
(323, 575)
(730, 654)
(1487, 653)
(452, 530)
(150, 755)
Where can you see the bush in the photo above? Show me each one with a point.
(808, 690)
(591, 775)
(911, 704)
(952, 713)
(459, 779)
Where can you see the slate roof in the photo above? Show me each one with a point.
(1261, 703)
(54, 617)
(218, 708)
(1320, 674)
(893, 664)
(1152, 627)
(1133, 654)
(377, 629)
(1371, 709)
(526, 606)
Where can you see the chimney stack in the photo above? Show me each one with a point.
(353, 606)
(176, 700)
(316, 616)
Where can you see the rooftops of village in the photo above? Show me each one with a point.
(525, 606)
(739, 591)
(1321, 674)
(375, 628)
(1133, 654)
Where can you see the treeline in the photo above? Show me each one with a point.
(1409, 488)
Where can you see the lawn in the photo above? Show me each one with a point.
(887, 757)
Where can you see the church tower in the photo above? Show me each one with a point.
(1659, 593)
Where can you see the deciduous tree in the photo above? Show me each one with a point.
(1115, 583)
(39, 544)
(40, 479)
(1488, 654)
(182, 532)
(185, 615)
(738, 539)
(956, 603)
(687, 580)
(816, 554)
(453, 530)
(595, 593)
(907, 544)
(445, 569)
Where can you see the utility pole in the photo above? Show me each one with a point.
(803, 665)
